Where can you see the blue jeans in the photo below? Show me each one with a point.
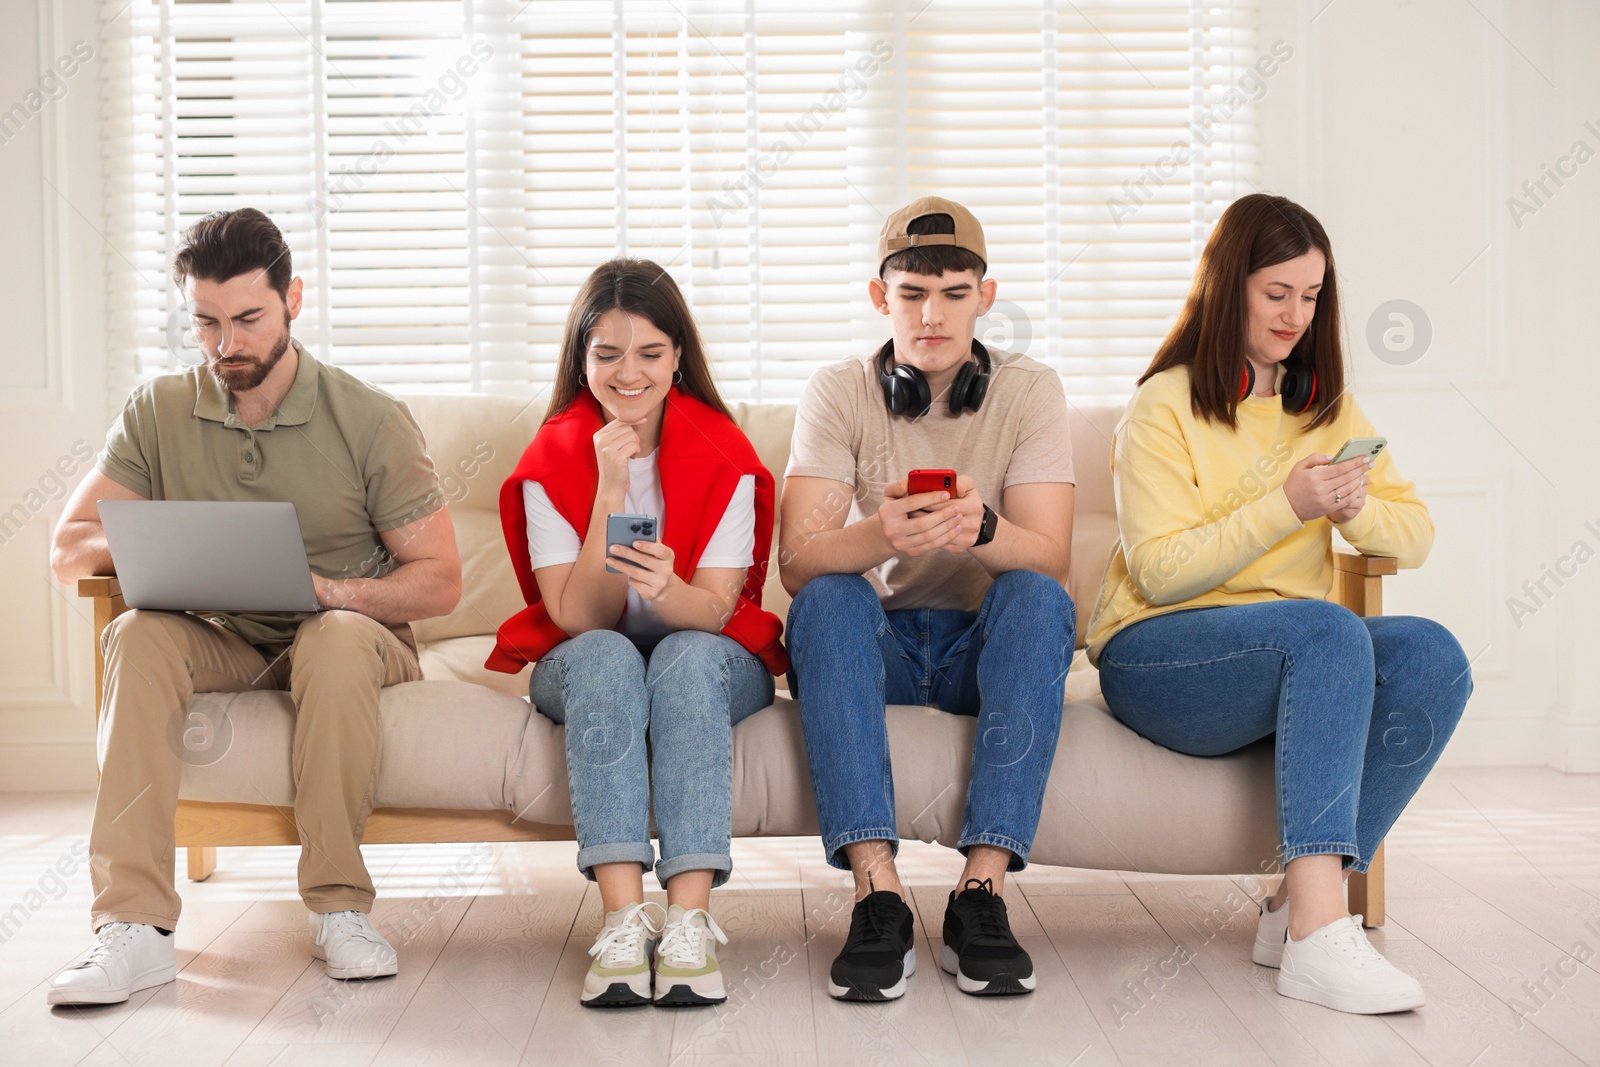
(1006, 664)
(1362, 707)
(684, 696)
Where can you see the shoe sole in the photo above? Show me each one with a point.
(1001, 985)
(683, 995)
(147, 980)
(616, 995)
(1297, 988)
(356, 973)
(873, 994)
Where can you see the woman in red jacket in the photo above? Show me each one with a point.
(663, 640)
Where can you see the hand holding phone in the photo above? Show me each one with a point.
(624, 529)
(911, 529)
(931, 480)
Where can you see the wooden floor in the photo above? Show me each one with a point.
(1494, 898)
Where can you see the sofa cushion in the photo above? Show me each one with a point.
(475, 442)
(1094, 511)
(1114, 801)
(460, 659)
(445, 745)
(769, 427)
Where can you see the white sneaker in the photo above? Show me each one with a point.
(125, 958)
(619, 977)
(1272, 930)
(687, 972)
(1338, 968)
(352, 947)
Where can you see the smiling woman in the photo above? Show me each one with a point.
(660, 639)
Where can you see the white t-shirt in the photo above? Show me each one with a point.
(552, 540)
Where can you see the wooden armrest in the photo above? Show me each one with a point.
(1366, 566)
(108, 604)
(1358, 581)
(99, 586)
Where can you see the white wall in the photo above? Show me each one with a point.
(53, 402)
(1405, 127)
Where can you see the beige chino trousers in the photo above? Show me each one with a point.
(154, 662)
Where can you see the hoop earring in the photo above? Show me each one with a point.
(677, 377)
(583, 379)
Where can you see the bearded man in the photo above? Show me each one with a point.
(259, 420)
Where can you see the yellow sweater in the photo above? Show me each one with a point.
(1203, 520)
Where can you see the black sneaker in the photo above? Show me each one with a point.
(879, 955)
(978, 947)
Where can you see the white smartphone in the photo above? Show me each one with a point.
(1360, 446)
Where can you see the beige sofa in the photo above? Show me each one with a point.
(465, 758)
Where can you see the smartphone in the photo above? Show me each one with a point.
(624, 529)
(931, 481)
(1360, 446)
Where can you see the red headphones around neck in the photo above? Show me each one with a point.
(1297, 390)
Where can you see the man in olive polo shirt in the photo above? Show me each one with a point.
(260, 420)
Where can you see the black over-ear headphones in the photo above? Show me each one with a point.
(905, 390)
(1297, 390)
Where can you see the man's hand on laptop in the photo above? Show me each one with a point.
(916, 524)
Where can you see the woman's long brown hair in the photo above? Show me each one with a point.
(635, 287)
(1255, 231)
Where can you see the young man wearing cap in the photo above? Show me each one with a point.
(948, 599)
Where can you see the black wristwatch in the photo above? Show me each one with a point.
(991, 520)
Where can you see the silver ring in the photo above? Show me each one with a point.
(1336, 498)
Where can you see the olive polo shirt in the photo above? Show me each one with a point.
(348, 456)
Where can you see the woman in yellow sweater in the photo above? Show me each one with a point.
(1213, 627)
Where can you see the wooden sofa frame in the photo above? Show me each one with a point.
(203, 827)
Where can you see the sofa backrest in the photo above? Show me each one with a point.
(476, 440)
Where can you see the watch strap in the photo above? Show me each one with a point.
(991, 521)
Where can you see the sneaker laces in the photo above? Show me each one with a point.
(683, 943)
(872, 920)
(351, 925)
(984, 912)
(108, 941)
(1351, 939)
(622, 944)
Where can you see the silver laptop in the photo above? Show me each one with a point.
(208, 555)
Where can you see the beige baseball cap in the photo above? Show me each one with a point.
(893, 237)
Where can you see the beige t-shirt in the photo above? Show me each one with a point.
(348, 456)
(843, 431)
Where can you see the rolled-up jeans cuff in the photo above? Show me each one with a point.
(1019, 851)
(721, 864)
(1346, 850)
(834, 849)
(640, 852)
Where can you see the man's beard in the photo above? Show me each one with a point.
(253, 373)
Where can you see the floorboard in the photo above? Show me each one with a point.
(1493, 894)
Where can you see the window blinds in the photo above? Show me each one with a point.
(447, 173)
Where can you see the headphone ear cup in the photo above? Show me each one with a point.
(961, 388)
(1247, 380)
(1299, 387)
(906, 391)
(978, 390)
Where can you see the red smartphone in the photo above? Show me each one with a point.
(931, 481)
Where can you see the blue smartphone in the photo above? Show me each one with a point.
(623, 529)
